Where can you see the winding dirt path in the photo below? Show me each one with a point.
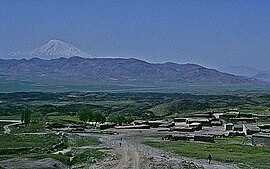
(7, 130)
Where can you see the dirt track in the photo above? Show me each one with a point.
(133, 154)
(12, 123)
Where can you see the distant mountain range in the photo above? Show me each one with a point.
(117, 70)
(264, 76)
(247, 71)
(72, 63)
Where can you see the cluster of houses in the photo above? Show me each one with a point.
(197, 127)
(208, 126)
(249, 125)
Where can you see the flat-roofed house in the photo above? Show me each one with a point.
(250, 129)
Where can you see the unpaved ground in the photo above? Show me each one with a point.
(13, 123)
(21, 163)
(133, 154)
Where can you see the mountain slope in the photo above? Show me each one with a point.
(247, 71)
(120, 71)
(241, 70)
(53, 49)
(263, 76)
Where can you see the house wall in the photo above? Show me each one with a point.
(204, 138)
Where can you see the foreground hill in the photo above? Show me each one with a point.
(120, 71)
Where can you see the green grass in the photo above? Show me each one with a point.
(32, 128)
(79, 158)
(46, 142)
(64, 85)
(13, 117)
(2, 124)
(64, 158)
(222, 150)
(107, 103)
(64, 119)
(264, 121)
(85, 156)
(17, 141)
(252, 109)
(79, 141)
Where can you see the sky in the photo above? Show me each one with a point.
(210, 33)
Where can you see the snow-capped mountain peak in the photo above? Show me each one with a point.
(58, 48)
(53, 49)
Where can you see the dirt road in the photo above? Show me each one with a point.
(12, 123)
(127, 151)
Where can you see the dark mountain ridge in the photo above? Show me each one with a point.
(121, 71)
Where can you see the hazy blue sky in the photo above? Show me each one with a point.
(211, 33)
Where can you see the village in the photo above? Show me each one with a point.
(203, 127)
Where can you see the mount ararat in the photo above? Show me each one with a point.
(70, 62)
(51, 50)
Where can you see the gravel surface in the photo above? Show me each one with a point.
(21, 163)
(125, 150)
(133, 154)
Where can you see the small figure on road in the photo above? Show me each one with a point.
(209, 158)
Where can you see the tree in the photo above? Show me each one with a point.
(85, 115)
(98, 117)
(119, 118)
(38, 118)
(113, 117)
(129, 119)
(26, 117)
